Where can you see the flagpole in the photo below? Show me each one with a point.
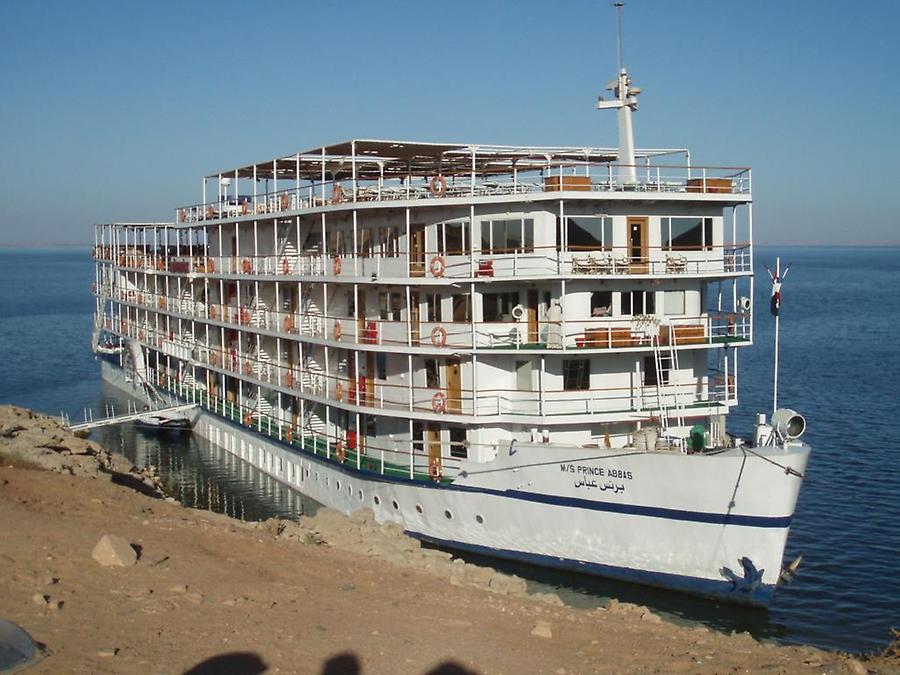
(777, 318)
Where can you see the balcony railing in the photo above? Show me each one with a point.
(572, 334)
(537, 262)
(585, 178)
(370, 393)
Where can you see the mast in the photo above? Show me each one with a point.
(625, 102)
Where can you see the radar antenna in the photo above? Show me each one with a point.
(625, 102)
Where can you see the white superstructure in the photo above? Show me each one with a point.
(526, 351)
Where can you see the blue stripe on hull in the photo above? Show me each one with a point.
(720, 590)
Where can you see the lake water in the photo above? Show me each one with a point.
(839, 367)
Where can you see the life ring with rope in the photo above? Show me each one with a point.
(439, 402)
(437, 266)
(435, 470)
(439, 336)
(437, 186)
(518, 312)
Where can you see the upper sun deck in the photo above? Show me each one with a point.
(377, 171)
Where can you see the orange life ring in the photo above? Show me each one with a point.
(435, 470)
(339, 391)
(289, 434)
(248, 367)
(284, 201)
(438, 186)
(182, 216)
(339, 451)
(245, 208)
(338, 330)
(439, 402)
(336, 266)
(437, 266)
(285, 266)
(246, 266)
(439, 336)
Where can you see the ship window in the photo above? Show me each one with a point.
(589, 233)
(673, 302)
(576, 374)
(686, 233)
(432, 374)
(390, 305)
(461, 308)
(389, 241)
(459, 448)
(654, 376)
(507, 236)
(638, 302)
(601, 303)
(453, 238)
(433, 307)
(498, 306)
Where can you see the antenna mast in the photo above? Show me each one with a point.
(625, 102)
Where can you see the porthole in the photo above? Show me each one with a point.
(338, 485)
(395, 505)
(377, 500)
(419, 508)
(361, 495)
(448, 515)
(317, 475)
(350, 490)
(327, 480)
(479, 519)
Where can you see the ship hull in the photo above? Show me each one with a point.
(714, 526)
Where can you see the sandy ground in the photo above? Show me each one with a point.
(308, 598)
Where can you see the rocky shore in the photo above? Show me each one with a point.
(110, 576)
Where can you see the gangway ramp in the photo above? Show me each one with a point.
(130, 417)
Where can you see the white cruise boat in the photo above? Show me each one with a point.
(527, 352)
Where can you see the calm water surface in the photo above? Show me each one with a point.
(839, 367)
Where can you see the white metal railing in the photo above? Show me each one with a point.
(580, 177)
(368, 392)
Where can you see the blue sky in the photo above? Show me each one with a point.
(115, 110)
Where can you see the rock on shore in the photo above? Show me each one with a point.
(30, 439)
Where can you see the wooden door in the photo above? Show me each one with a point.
(453, 377)
(434, 445)
(417, 250)
(532, 311)
(638, 245)
(414, 318)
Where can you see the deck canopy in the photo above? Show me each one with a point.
(373, 159)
